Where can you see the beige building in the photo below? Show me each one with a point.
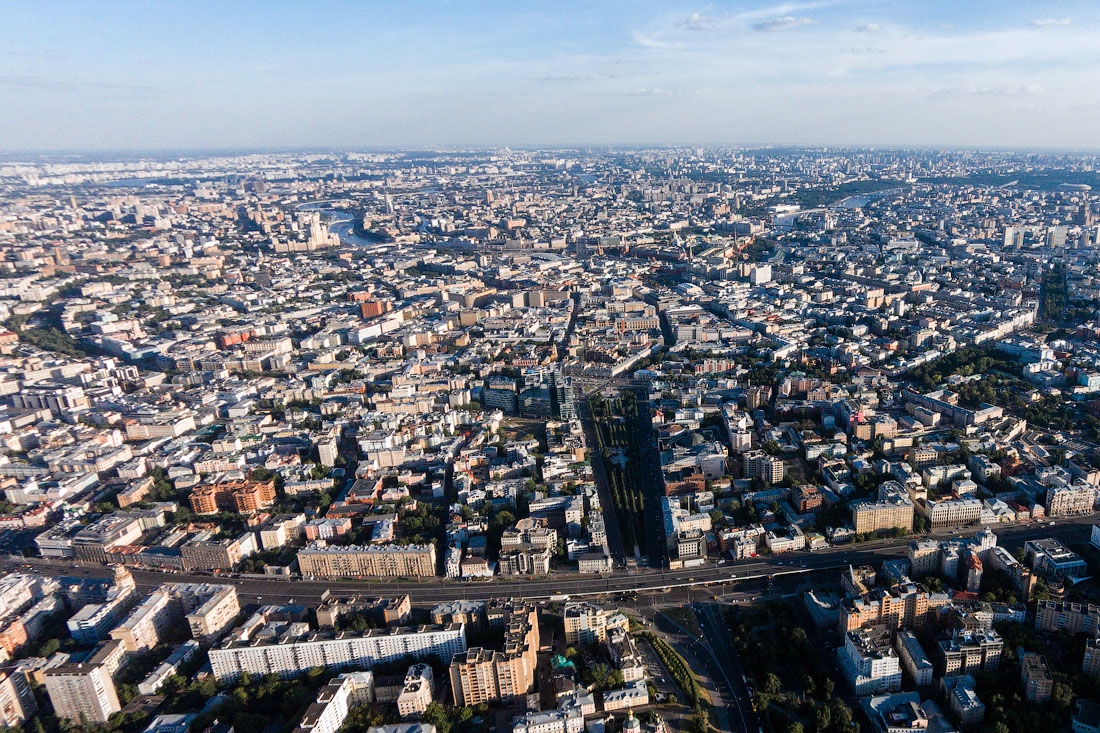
(474, 677)
(873, 516)
(205, 553)
(908, 605)
(480, 675)
(381, 561)
(1066, 501)
(143, 628)
(924, 558)
(214, 615)
(1073, 618)
(417, 693)
(951, 512)
(586, 623)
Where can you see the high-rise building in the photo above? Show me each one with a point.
(869, 663)
(16, 698)
(480, 675)
(82, 691)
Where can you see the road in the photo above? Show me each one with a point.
(653, 488)
(719, 640)
(704, 664)
(436, 590)
(610, 519)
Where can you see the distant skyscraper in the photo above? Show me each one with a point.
(1014, 237)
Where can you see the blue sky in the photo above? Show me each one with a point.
(146, 75)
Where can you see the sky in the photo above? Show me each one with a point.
(111, 75)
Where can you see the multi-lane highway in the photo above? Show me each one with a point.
(434, 590)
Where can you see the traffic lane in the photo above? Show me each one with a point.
(702, 663)
(438, 590)
(717, 632)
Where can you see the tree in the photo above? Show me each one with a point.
(795, 727)
(798, 636)
(841, 714)
(435, 714)
(772, 684)
(822, 718)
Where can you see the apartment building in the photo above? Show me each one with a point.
(907, 605)
(924, 558)
(962, 698)
(204, 552)
(17, 703)
(94, 621)
(319, 560)
(869, 663)
(913, 658)
(147, 623)
(388, 611)
(968, 652)
(417, 692)
(209, 609)
(1072, 500)
(484, 675)
(1090, 665)
(82, 691)
(237, 495)
(759, 464)
(474, 678)
(1073, 618)
(295, 649)
(335, 700)
(586, 623)
(1035, 678)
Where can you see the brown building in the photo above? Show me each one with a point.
(480, 675)
(240, 495)
(905, 606)
(807, 498)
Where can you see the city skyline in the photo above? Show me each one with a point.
(256, 76)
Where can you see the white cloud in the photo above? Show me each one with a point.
(650, 42)
(1049, 22)
(698, 22)
(780, 24)
(869, 28)
(1029, 90)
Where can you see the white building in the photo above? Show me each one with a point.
(869, 663)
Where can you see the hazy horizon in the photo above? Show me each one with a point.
(125, 77)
